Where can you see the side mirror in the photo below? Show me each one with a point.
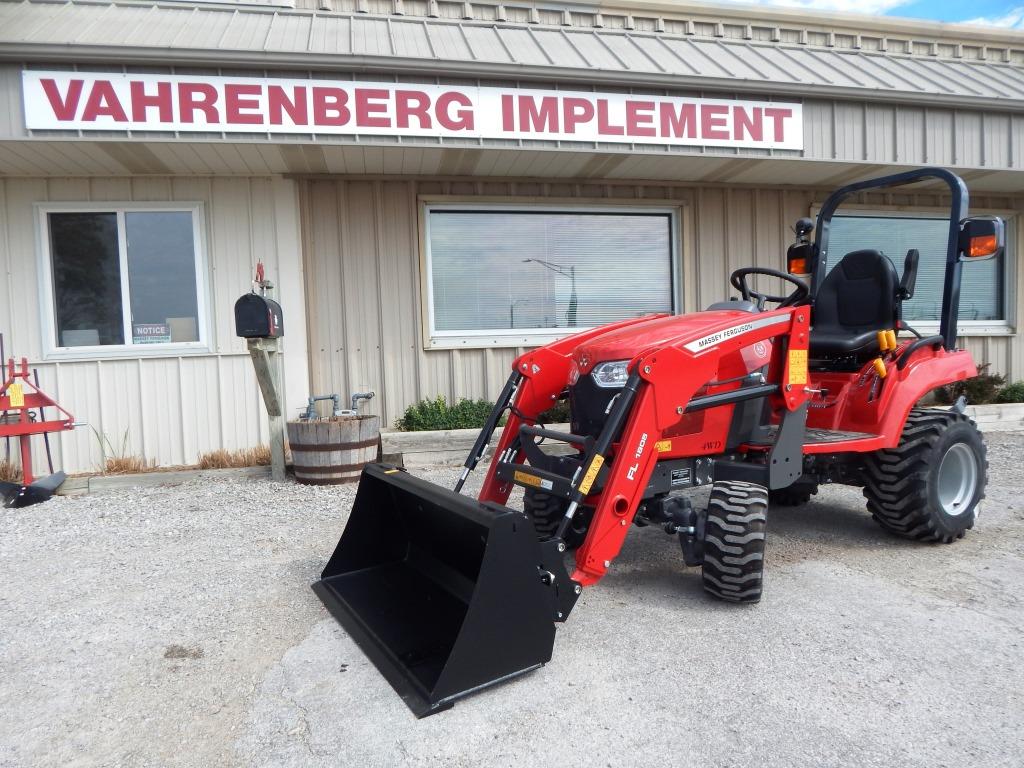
(803, 228)
(982, 238)
(800, 256)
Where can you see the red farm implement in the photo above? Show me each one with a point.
(22, 415)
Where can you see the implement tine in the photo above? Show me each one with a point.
(3, 378)
(46, 435)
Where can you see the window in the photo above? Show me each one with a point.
(123, 280)
(983, 286)
(514, 275)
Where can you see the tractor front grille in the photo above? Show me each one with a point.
(589, 405)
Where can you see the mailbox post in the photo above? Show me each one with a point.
(258, 319)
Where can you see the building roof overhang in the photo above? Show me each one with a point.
(222, 158)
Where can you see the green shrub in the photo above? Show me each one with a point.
(982, 389)
(438, 414)
(1014, 393)
(556, 414)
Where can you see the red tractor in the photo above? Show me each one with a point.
(763, 398)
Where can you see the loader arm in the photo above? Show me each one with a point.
(542, 375)
(667, 379)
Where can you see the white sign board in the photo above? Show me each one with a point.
(88, 101)
(151, 333)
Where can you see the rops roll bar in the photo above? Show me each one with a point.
(958, 212)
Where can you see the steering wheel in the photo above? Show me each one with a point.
(739, 282)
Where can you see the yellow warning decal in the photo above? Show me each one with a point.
(797, 366)
(527, 479)
(591, 475)
(17, 395)
(663, 446)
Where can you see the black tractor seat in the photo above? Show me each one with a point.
(859, 297)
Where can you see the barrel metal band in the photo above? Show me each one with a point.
(329, 468)
(327, 480)
(334, 446)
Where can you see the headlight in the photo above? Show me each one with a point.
(611, 375)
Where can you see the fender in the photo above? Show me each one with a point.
(885, 416)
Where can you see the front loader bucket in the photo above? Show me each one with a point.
(442, 592)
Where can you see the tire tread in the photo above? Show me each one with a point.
(734, 540)
(896, 480)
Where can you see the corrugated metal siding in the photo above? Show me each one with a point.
(362, 291)
(171, 408)
(890, 133)
(362, 262)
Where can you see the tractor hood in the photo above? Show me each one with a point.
(625, 343)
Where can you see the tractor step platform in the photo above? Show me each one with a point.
(818, 436)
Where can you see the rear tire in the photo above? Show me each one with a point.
(928, 487)
(547, 512)
(734, 541)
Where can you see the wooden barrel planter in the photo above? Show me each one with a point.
(333, 451)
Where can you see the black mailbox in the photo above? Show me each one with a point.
(257, 317)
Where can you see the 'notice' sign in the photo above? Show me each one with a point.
(103, 102)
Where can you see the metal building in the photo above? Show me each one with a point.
(436, 185)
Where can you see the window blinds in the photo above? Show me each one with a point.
(527, 269)
(981, 291)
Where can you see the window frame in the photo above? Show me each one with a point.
(52, 350)
(965, 328)
(495, 339)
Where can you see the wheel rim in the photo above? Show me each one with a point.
(958, 479)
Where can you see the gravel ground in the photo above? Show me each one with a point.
(175, 626)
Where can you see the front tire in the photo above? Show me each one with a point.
(734, 541)
(929, 486)
(547, 512)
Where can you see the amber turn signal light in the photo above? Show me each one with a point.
(983, 245)
(797, 266)
(982, 237)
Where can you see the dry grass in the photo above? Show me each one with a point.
(127, 465)
(9, 472)
(245, 457)
(115, 459)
